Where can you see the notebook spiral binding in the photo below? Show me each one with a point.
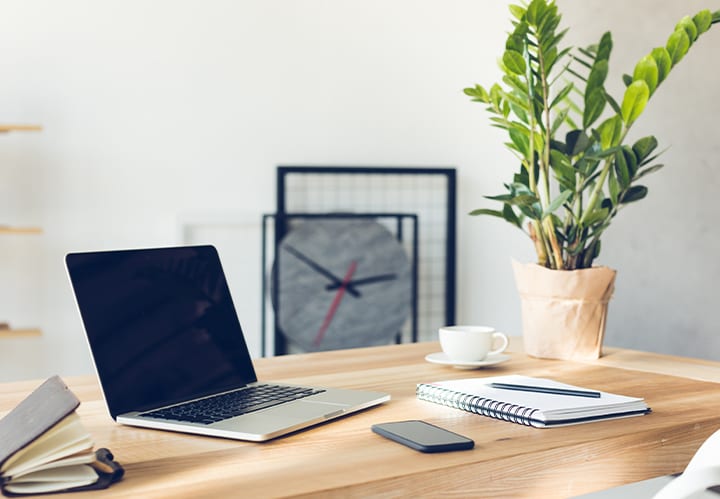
(476, 404)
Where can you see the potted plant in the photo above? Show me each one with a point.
(577, 168)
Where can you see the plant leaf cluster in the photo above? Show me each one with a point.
(569, 134)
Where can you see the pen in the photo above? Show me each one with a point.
(545, 389)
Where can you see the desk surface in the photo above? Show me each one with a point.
(344, 458)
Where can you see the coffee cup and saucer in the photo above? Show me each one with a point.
(470, 347)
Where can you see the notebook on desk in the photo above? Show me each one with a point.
(538, 402)
(170, 353)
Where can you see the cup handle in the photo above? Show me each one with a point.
(505, 342)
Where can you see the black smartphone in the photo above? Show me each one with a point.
(422, 436)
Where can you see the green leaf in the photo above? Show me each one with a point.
(622, 170)
(582, 62)
(613, 187)
(556, 145)
(630, 160)
(561, 95)
(548, 20)
(678, 45)
(627, 80)
(643, 147)
(634, 101)
(597, 76)
(517, 84)
(517, 11)
(613, 103)
(515, 42)
(558, 121)
(604, 47)
(577, 142)
(564, 171)
(557, 57)
(485, 211)
(634, 193)
(514, 62)
(590, 51)
(506, 214)
(535, 11)
(516, 99)
(716, 17)
(510, 216)
(688, 25)
(610, 131)
(662, 61)
(522, 178)
(520, 113)
(479, 93)
(531, 211)
(518, 200)
(647, 70)
(594, 106)
(558, 202)
(648, 170)
(495, 95)
(551, 53)
(702, 21)
(597, 215)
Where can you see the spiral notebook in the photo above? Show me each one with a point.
(541, 410)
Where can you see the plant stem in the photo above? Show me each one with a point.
(556, 250)
(601, 181)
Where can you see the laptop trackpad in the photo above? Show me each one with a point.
(282, 416)
(304, 409)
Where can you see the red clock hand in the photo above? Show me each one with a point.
(335, 303)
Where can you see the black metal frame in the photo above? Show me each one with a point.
(451, 204)
(282, 220)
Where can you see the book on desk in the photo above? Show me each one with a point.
(44, 447)
(537, 402)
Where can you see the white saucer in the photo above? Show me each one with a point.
(490, 360)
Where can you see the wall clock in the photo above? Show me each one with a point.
(428, 194)
(340, 283)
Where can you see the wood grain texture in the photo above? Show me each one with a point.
(345, 459)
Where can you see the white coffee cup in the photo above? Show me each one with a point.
(471, 343)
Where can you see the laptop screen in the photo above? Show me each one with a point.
(161, 325)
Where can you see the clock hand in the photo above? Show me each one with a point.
(335, 303)
(365, 280)
(315, 266)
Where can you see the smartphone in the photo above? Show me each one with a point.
(423, 436)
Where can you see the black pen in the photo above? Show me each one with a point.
(545, 389)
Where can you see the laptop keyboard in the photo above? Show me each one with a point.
(228, 405)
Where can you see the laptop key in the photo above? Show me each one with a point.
(229, 405)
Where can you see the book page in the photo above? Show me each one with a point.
(53, 479)
(82, 458)
(66, 438)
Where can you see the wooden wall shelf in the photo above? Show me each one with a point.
(6, 229)
(19, 333)
(20, 128)
(5, 331)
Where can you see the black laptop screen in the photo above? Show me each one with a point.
(161, 325)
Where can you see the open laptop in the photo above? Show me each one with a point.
(170, 354)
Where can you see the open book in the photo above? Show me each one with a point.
(530, 407)
(45, 448)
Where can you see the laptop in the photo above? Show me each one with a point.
(170, 353)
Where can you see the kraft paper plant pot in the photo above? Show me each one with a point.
(564, 311)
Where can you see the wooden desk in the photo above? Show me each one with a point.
(345, 459)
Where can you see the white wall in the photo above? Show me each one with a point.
(161, 113)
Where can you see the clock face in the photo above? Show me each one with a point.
(342, 283)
